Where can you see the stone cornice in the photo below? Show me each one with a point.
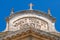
(39, 13)
(36, 32)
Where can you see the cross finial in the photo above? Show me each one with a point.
(31, 6)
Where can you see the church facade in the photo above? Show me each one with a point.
(30, 25)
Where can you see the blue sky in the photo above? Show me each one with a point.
(18, 5)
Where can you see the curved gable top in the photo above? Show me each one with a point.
(39, 13)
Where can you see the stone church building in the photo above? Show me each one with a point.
(30, 25)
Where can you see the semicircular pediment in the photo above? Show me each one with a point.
(28, 22)
(33, 12)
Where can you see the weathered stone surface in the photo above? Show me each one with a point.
(35, 33)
